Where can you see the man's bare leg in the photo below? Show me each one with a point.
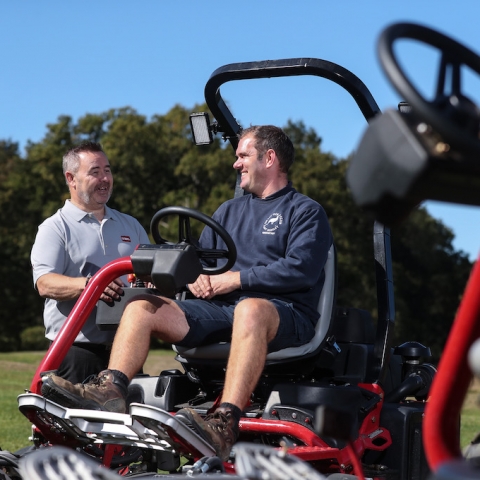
(156, 316)
(255, 325)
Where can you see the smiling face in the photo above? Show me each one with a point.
(91, 186)
(253, 170)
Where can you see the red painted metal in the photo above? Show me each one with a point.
(314, 449)
(450, 385)
(78, 316)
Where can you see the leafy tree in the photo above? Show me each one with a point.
(16, 213)
(156, 164)
(430, 277)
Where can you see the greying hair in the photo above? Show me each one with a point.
(71, 159)
(270, 137)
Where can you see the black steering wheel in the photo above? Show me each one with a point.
(453, 115)
(185, 236)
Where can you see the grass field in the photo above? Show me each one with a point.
(17, 370)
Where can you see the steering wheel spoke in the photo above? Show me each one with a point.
(184, 229)
(449, 69)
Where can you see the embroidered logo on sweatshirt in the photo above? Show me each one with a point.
(272, 223)
(126, 238)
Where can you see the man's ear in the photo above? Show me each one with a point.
(70, 178)
(271, 157)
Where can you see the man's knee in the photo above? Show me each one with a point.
(254, 307)
(160, 316)
(142, 307)
(255, 314)
(136, 306)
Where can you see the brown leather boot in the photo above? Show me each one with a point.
(104, 392)
(220, 429)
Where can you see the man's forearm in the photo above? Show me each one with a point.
(60, 287)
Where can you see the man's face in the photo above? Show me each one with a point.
(252, 169)
(91, 187)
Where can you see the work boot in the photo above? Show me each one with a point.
(220, 429)
(104, 392)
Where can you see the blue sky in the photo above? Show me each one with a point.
(77, 57)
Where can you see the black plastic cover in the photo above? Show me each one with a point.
(400, 162)
(169, 267)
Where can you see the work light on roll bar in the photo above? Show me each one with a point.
(202, 130)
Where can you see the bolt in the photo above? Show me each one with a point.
(422, 128)
(442, 147)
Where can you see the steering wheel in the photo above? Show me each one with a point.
(185, 236)
(455, 117)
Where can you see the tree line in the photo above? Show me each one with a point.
(155, 164)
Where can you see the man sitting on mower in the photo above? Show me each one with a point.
(267, 302)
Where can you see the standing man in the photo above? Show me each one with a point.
(267, 302)
(72, 245)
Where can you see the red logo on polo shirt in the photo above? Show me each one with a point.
(126, 238)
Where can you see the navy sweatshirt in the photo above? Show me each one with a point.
(282, 245)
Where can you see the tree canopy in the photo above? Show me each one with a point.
(155, 164)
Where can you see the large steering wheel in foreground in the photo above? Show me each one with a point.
(455, 117)
(185, 236)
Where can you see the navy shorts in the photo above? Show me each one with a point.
(211, 321)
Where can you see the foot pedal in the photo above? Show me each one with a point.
(79, 427)
(172, 430)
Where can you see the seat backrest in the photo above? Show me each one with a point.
(326, 306)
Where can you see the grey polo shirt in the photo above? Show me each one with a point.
(74, 243)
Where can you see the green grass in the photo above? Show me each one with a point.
(470, 425)
(16, 373)
(17, 370)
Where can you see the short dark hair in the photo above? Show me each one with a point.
(270, 137)
(71, 159)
